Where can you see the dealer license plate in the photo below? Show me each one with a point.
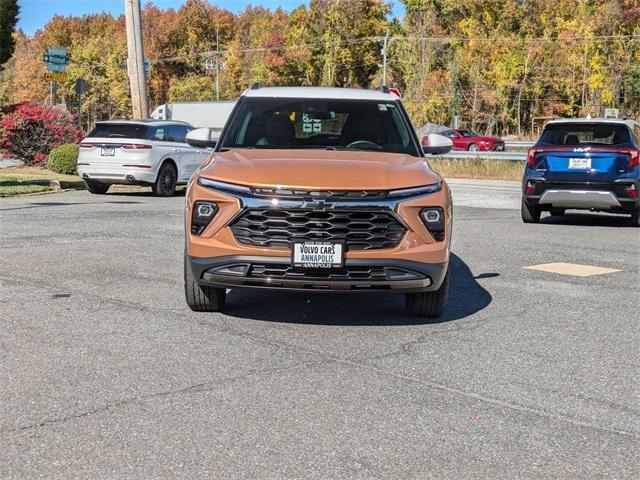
(108, 151)
(317, 255)
(580, 163)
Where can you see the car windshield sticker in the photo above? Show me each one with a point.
(311, 125)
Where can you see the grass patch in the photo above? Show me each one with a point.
(12, 185)
(478, 168)
(21, 180)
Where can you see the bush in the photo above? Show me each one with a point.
(64, 159)
(30, 131)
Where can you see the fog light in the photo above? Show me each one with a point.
(433, 218)
(203, 213)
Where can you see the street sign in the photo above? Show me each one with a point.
(611, 113)
(54, 67)
(81, 86)
(56, 77)
(56, 59)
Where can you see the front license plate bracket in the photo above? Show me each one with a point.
(317, 255)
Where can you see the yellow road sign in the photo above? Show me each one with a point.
(56, 77)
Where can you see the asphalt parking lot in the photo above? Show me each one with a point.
(105, 373)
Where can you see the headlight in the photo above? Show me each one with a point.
(201, 216)
(222, 186)
(433, 218)
(415, 191)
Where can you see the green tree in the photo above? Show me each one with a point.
(9, 11)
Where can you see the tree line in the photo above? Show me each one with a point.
(498, 65)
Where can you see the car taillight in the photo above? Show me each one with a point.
(86, 145)
(136, 146)
(632, 191)
(634, 158)
(529, 188)
(531, 157)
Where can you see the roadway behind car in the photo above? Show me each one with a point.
(106, 373)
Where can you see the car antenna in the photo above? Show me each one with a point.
(256, 86)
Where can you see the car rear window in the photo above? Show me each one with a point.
(576, 134)
(115, 130)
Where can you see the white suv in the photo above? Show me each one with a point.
(138, 152)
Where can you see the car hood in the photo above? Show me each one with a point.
(319, 169)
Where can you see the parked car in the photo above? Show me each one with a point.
(138, 152)
(469, 140)
(583, 163)
(318, 189)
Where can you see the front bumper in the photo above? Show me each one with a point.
(363, 275)
(605, 196)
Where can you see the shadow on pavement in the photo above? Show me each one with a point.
(466, 297)
(588, 220)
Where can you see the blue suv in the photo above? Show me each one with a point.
(586, 164)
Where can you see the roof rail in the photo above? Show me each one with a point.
(256, 85)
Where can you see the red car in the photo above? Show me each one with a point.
(469, 140)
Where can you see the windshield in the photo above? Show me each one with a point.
(576, 134)
(292, 123)
(469, 133)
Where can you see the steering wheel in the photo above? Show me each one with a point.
(364, 144)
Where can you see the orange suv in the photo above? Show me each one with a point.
(318, 189)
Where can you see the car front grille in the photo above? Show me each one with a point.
(285, 271)
(279, 228)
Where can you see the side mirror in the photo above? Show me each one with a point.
(201, 138)
(436, 144)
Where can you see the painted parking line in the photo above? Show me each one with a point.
(573, 269)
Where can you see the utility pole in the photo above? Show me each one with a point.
(384, 58)
(135, 59)
(217, 66)
(212, 62)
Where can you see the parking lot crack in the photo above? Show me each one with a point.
(196, 388)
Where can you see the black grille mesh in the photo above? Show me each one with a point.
(287, 272)
(279, 228)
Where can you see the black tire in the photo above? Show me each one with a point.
(473, 147)
(202, 299)
(97, 188)
(530, 213)
(165, 185)
(429, 304)
(557, 212)
(635, 218)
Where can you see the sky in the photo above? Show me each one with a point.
(34, 14)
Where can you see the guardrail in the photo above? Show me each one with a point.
(515, 144)
(510, 156)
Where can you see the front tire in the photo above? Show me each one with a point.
(473, 147)
(530, 213)
(429, 304)
(165, 185)
(200, 298)
(97, 188)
